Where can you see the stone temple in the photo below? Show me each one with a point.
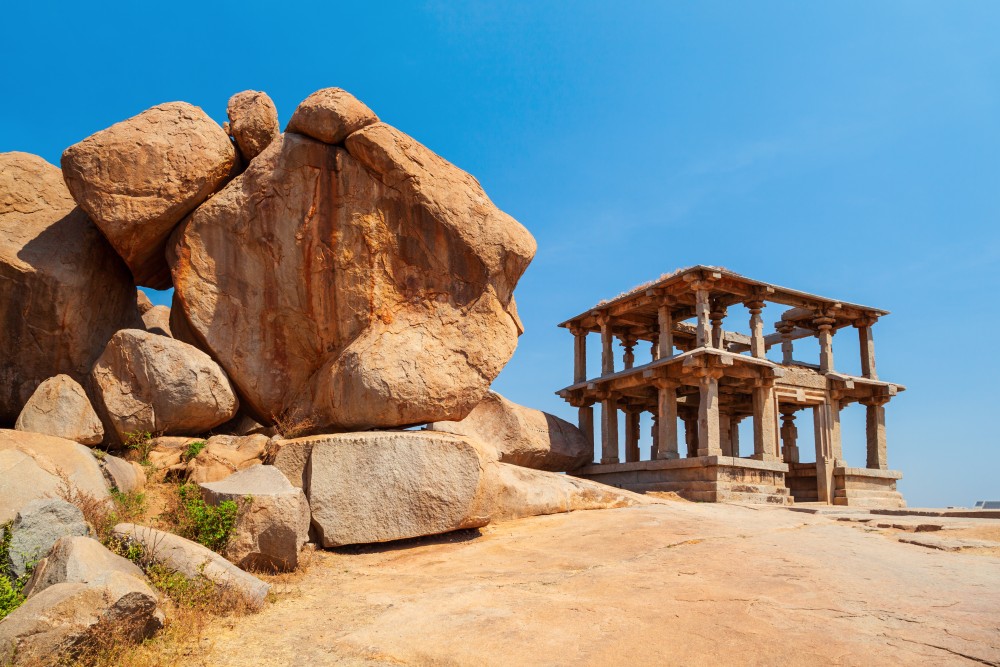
(707, 380)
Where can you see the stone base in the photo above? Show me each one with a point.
(703, 478)
(802, 483)
(864, 487)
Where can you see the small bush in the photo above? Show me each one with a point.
(207, 525)
(141, 442)
(11, 587)
(193, 450)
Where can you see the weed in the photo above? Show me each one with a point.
(141, 442)
(11, 587)
(208, 525)
(293, 423)
(193, 450)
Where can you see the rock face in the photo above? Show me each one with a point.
(126, 476)
(39, 524)
(138, 178)
(330, 115)
(364, 288)
(272, 527)
(524, 436)
(31, 465)
(64, 616)
(224, 455)
(53, 261)
(146, 382)
(60, 407)
(253, 122)
(193, 560)
(157, 321)
(377, 487)
(80, 560)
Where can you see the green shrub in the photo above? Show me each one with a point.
(141, 442)
(11, 587)
(211, 526)
(193, 450)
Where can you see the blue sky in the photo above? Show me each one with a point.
(850, 149)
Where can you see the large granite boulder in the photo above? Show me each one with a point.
(273, 523)
(60, 407)
(378, 487)
(138, 178)
(38, 525)
(192, 560)
(63, 290)
(34, 466)
(65, 617)
(253, 122)
(330, 115)
(79, 560)
(366, 287)
(144, 382)
(524, 436)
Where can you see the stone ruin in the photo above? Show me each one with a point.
(710, 379)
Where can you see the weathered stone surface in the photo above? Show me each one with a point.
(53, 261)
(157, 321)
(193, 560)
(143, 302)
(79, 560)
(523, 436)
(392, 300)
(126, 476)
(330, 115)
(138, 178)
(60, 407)
(272, 527)
(64, 616)
(514, 492)
(253, 122)
(377, 487)
(31, 465)
(38, 525)
(223, 455)
(166, 451)
(291, 457)
(146, 382)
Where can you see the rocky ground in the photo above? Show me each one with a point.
(677, 583)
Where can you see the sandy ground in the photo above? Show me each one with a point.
(671, 584)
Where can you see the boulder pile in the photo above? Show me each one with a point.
(334, 286)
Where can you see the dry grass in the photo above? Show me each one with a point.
(294, 423)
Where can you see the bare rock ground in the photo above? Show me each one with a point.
(676, 583)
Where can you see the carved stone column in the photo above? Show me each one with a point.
(785, 329)
(765, 421)
(655, 433)
(824, 328)
(709, 443)
(666, 419)
(609, 428)
(579, 354)
(734, 436)
(725, 433)
(632, 415)
(691, 433)
(717, 314)
(875, 431)
(607, 341)
(789, 435)
(628, 342)
(864, 327)
(703, 334)
(757, 345)
(665, 327)
(586, 422)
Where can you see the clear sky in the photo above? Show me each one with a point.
(850, 149)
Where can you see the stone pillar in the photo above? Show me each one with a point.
(665, 337)
(655, 433)
(709, 443)
(632, 415)
(609, 429)
(579, 355)
(717, 314)
(734, 436)
(765, 421)
(666, 420)
(786, 329)
(702, 330)
(757, 346)
(726, 433)
(586, 422)
(867, 348)
(607, 342)
(691, 434)
(826, 420)
(824, 327)
(654, 350)
(789, 435)
(875, 428)
(628, 342)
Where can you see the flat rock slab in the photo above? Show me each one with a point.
(193, 560)
(949, 513)
(383, 486)
(948, 543)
